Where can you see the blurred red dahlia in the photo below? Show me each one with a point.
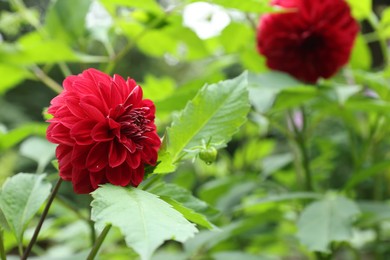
(105, 131)
(312, 39)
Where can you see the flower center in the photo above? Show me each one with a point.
(311, 41)
(134, 123)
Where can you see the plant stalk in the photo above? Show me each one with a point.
(301, 142)
(99, 242)
(41, 220)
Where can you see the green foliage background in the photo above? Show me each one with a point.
(302, 171)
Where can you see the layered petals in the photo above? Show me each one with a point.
(105, 131)
(310, 40)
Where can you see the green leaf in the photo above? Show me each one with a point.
(14, 74)
(384, 26)
(361, 8)
(255, 6)
(149, 5)
(21, 197)
(14, 136)
(361, 55)
(215, 114)
(145, 220)
(327, 220)
(264, 88)
(252, 202)
(157, 88)
(32, 49)
(242, 34)
(65, 19)
(188, 213)
(366, 174)
(39, 150)
(344, 92)
(183, 201)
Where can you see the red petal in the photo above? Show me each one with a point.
(134, 98)
(81, 132)
(93, 111)
(64, 155)
(117, 154)
(101, 132)
(59, 134)
(120, 175)
(73, 104)
(137, 176)
(98, 178)
(133, 160)
(97, 76)
(68, 82)
(81, 181)
(79, 155)
(97, 158)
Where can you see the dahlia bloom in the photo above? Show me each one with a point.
(105, 131)
(310, 40)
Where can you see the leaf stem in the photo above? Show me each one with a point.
(99, 242)
(41, 75)
(41, 220)
(301, 142)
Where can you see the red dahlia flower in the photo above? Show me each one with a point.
(312, 39)
(105, 131)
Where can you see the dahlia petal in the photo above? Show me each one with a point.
(91, 111)
(113, 124)
(120, 83)
(68, 82)
(97, 102)
(120, 175)
(81, 181)
(79, 155)
(129, 144)
(149, 103)
(104, 92)
(97, 76)
(73, 104)
(134, 97)
(64, 155)
(98, 178)
(85, 86)
(59, 134)
(117, 111)
(81, 132)
(137, 176)
(117, 154)
(97, 157)
(152, 138)
(131, 84)
(101, 132)
(133, 160)
(149, 155)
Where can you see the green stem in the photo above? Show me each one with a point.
(93, 232)
(41, 75)
(114, 60)
(301, 142)
(99, 243)
(2, 250)
(41, 220)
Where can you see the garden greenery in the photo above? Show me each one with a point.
(183, 129)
